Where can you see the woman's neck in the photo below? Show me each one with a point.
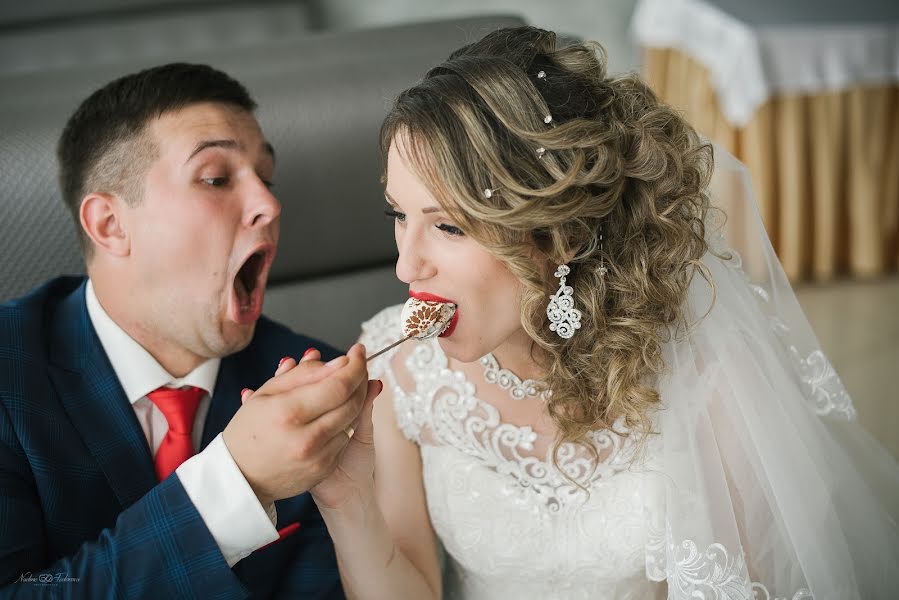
(519, 354)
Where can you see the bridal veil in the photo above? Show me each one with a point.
(767, 486)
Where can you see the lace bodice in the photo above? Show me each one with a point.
(512, 525)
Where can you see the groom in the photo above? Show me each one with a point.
(128, 466)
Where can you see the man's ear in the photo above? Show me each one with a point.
(102, 218)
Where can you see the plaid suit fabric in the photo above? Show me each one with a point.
(79, 500)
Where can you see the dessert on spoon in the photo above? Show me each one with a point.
(422, 319)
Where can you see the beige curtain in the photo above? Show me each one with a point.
(825, 167)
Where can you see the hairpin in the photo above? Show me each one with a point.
(540, 152)
(488, 193)
(541, 75)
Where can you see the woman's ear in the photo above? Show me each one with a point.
(102, 218)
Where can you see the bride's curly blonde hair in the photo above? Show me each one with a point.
(612, 159)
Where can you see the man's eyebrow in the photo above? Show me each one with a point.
(228, 144)
(426, 210)
(203, 145)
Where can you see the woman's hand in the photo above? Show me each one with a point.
(353, 476)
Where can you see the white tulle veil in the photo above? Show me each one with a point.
(766, 485)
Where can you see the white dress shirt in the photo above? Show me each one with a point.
(226, 502)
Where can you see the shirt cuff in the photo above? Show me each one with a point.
(227, 504)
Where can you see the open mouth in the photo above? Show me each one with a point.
(426, 297)
(249, 285)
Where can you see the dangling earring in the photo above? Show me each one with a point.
(564, 318)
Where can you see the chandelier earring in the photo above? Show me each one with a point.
(564, 318)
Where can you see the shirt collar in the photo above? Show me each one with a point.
(136, 369)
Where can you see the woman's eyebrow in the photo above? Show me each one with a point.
(426, 210)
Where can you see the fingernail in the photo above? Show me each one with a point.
(281, 362)
(308, 352)
(244, 391)
(380, 387)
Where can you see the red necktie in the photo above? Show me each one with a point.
(179, 406)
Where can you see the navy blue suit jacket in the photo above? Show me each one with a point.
(81, 512)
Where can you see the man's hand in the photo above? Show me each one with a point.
(353, 474)
(290, 433)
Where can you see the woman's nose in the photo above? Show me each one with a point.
(412, 264)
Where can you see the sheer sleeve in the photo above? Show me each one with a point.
(379, 332)
(768, 488)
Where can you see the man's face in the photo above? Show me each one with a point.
(203, 234)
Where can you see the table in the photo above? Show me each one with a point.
(806, 94)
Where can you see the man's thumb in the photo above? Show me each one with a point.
(365, 431)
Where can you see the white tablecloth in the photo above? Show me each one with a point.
(756, 49)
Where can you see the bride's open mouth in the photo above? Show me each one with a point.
(248, 286)
(426, 297)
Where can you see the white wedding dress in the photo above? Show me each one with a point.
(759, 484)
(511, 525)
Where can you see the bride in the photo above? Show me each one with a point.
(623, 407)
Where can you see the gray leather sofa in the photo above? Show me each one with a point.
(322, 97)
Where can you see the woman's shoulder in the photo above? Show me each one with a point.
(380, 331)
(382, 326)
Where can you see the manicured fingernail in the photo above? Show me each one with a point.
(283, 360)
(244, 391)
(308, 352)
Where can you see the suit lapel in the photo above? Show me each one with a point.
(96, 403)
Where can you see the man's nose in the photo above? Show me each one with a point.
(263, 207)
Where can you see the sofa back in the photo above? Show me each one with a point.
(321, 96)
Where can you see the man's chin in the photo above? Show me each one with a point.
(235, 337)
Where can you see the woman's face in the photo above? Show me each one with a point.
(439, 262)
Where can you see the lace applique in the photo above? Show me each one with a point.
(459, 419)
(710, 574)
(819, 378)
(508, 380)
(824, 385)
(443, 409)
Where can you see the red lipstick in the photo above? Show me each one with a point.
(426, 297)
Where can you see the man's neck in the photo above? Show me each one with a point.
(175, 360)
